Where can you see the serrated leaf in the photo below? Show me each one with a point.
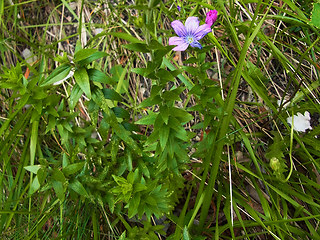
(82, 79)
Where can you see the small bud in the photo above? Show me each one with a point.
(212, 16)
(275, 164)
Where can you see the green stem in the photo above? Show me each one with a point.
(215, 151)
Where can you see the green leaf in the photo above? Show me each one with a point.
(133, 205)
(57, 75)
(315, 17)
(73, 168)
(150, 200)
(138, 187)
(126, 36)
(34, 168)
(59, 190)
(177, 129)
(182, 115)
(118, 75)
(130, 126)
(150, 101)
(112, 120)
(82, 79)
(164, 135)
(164, 76)
(186, 233)
(75, 96)
(58, 175)
(155, 45)
(39, 93)
(98, 76)
(121, 113)
(173, 95)
(111, 94)
(92, 58)
(143, 168)
(138, 47)
(35, 185)
(148, 120)
(165, 112)
(78, 188)
(83, 54)
(141, 71)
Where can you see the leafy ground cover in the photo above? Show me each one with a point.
(107, 132)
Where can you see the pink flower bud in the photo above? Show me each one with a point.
(212, 16)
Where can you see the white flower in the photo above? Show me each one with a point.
(300, 122)
(68, 76)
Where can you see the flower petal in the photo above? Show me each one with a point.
(181, 43)
(179, 28)
(202, 31)
(307, 115)
(181, 47)
(176, 41)
(192, 24)
(196, 44)
(300, 122)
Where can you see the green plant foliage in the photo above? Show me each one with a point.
(106, 133)
(315, 19)
(275, 155)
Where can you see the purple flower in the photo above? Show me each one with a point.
(179, 8)
(212, 16)
(189, 34)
